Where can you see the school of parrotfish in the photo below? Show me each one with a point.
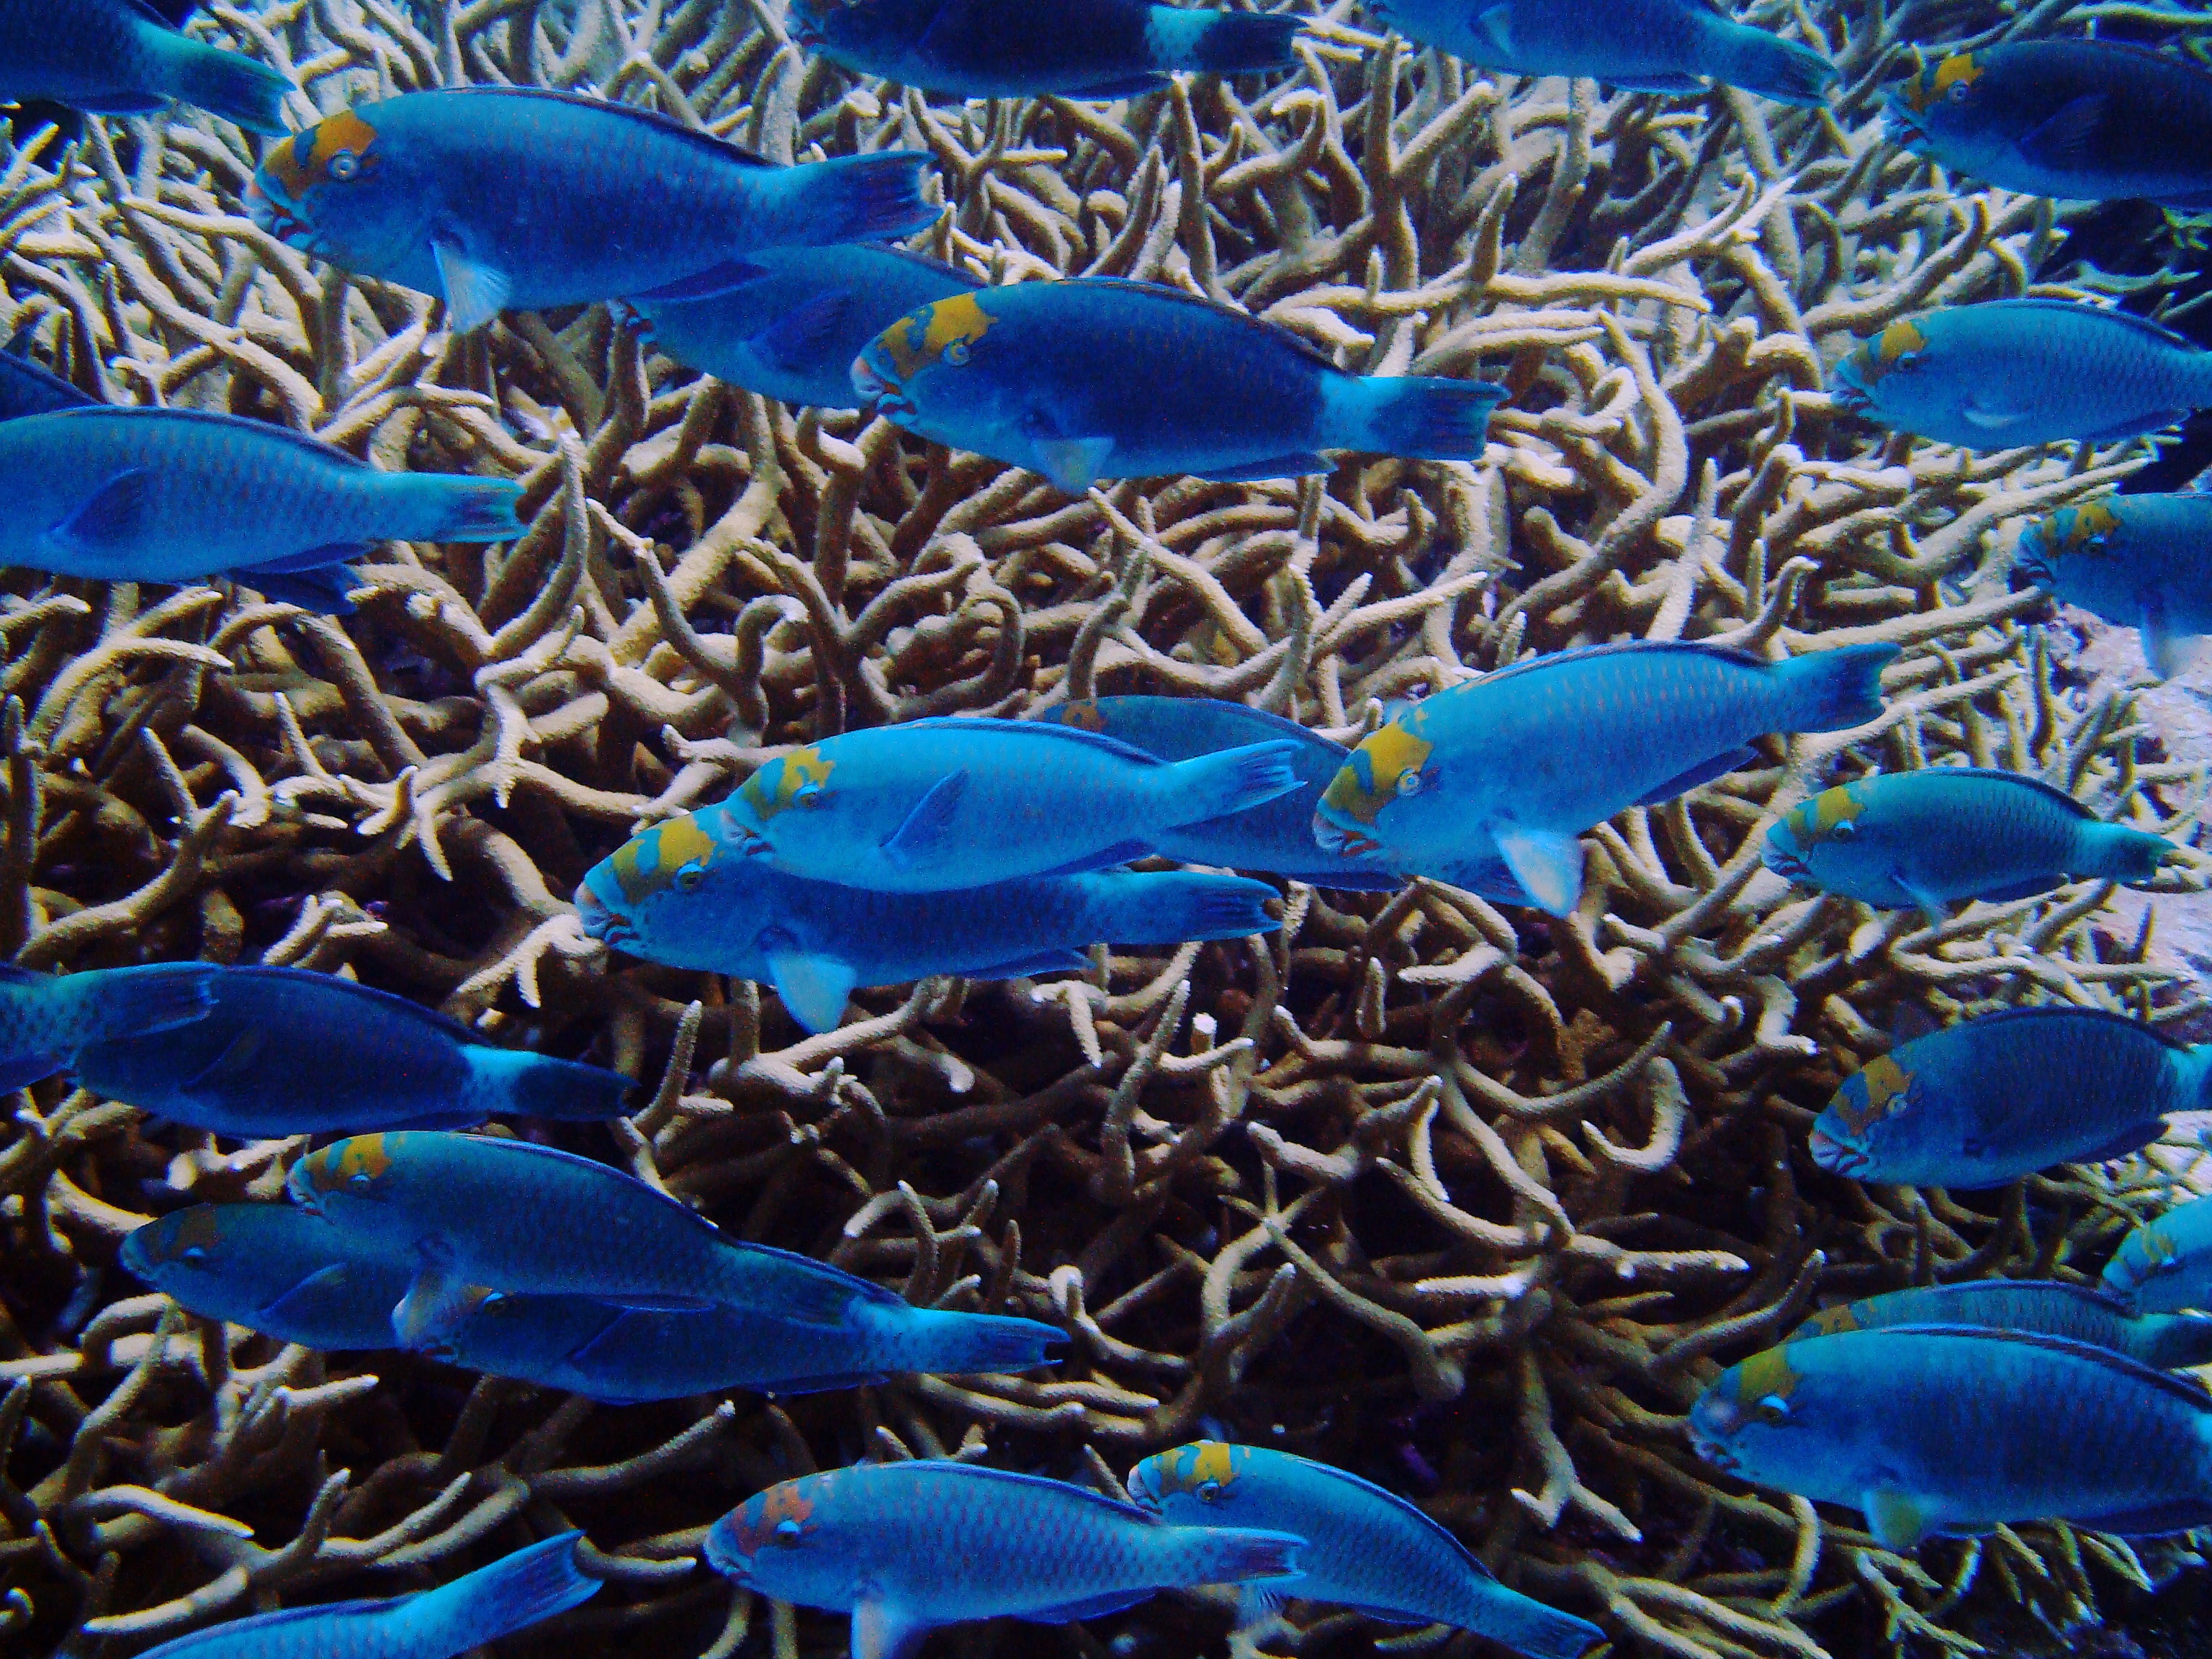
(996, 848)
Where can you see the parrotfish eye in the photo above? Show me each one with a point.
(345, 166)
(1959, 90)
(1773, 1410)
(788, 1531)
(193, 1253)
(809, 794)
(1409, 783)
(361, 1183)
(689, 878)
(957, 353)
(1208, 1491)
(1843, 831)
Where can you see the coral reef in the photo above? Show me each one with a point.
(1470, 1201)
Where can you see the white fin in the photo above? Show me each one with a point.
(1896, 1519)
(474, 293)
(813, 986)
(1072, 463)
(882, 1631)
(1547, 864)
(2168, 653)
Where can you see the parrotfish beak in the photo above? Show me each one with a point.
(1712, 1419)
(1781, 854)
(1837, 1156)
(880, 394)
(1144, 1484)
(1904, 125)
(600, 920)
(1848, 392)
(723, 1553)
(2031, 559)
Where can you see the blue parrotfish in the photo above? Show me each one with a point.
(283, 1051)
(476, 1609)
(1639, 45)
(1516, 765)
(2084, 120)
(940, 803)
(45, 1018)
(2004, 373)
(2047, 1307)
(494, 196)
(1096, 377)
(1365, 1547)
(1277, 835)
(905, 1547)
(2166, 1264)
(125, 57)
(28, 387)
(1989, 1100)
(475, 1211)
(1939, 833)
(180, 495)
(296, 1277)
(816, 941)
(1018, 49)
(1941, 1430)
(2137, 561)
(791, 326)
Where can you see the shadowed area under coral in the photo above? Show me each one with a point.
(1467, 1200)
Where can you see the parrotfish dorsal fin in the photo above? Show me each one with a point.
(2179, 1388)
(660, 122)
(2061, 1012)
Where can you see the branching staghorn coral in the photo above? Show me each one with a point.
(1470, 1200)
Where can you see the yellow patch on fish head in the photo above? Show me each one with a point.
(1083, 716)
(779, 1516)
(355, 1164)
(1387, 765)
(1764, 1383)
(334, 151)
(2159, 1251)
(2088, 528)
(1893, 345)
(1204, 1470)
(1948, 78)
(943, 332)
(1872, 1093)
(1832, 810)
(798, 779)
(655, 858)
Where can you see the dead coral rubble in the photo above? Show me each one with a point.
(1471, 1201)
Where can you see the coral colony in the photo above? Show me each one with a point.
(1191, 851)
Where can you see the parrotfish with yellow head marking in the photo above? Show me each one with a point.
(1514, 766)
(498, 197)
(1018, 49)
(477, 1608)
(1936, 1430)
(725, 911)
(472, 1211)
(1987, 1101)
(1097, 377)
(2041, 1306)
(1639, 46)
(282, 1052)
(936, 805)
(905, 1547)
(1939, 834)
(2083, 120)
(2004, 373)
(2142, 562)
(1365, 1547)
(2166, 1264)
(121, 58)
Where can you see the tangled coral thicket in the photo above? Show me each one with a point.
(1469, 1202)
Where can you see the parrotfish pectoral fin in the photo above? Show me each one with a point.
(1547, 864)
(1992, 419)
(1256, 1603)
(438, 1303)
(718, 278)
(614, 1343)
(2129, 1140)
(1896, 1519)
(1073, 463)
(2167, 652)
(1282, 466)
(312, 558)
(111, 517)
(319, 1294)
(2064, 137)
(797, 338)
(325, 589)
(922, 836)
(236, 1059)
(814, 988)
(883, 1631)
(1496, 23)
(1096, 1608)
(474, 292)
(1924, 898)
(1703, 772)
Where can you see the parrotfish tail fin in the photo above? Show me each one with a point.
(1221, 42)
(450, 506)
(1174, 907)
(226, 83)
(1527, 1626)
(1231, 781)
(2125, 854)
(2177, 1340)
(1785, 71)
(516, 1590)
(1833, 690)
(863, 198)
(1418, 418)
(537, 1085)
(965, 1344)
(1230, 1555)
